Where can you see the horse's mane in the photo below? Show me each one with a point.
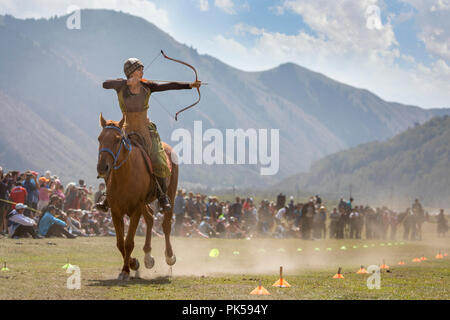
(112, 123)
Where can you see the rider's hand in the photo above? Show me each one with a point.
(195, 84)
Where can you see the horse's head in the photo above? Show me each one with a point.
(111, 140)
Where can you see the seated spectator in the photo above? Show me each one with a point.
(206, 228)
(50, 226)
(20, 225)
(74, 225)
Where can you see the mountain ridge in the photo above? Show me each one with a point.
(60, 72)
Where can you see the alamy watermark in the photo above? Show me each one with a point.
(373, 18)
(374, 280)
(74, 281)
(74, 20)
(229, 148)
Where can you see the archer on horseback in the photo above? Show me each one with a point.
(134, 94)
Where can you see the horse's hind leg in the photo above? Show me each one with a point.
(148, 217)
(167, 226)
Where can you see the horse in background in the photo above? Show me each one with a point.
(130, 188)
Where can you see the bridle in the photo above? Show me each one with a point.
(124, 142)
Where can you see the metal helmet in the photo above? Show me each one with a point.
(131, 65)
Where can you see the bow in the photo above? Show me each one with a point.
(196, 79)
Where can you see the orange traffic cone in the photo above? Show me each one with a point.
(281, 283)
(422, 258)
(416, 260)
(361, 270)
(439, 255)
(260, 290)
(338, 275)
(401, 263)
(384, 266)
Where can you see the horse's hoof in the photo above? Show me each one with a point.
(149, 261)
(123, 276)
(135, 266)
(170, 260)
(137, 274)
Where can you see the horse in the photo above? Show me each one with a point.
(130, 188)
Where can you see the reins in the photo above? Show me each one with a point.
(124, 142)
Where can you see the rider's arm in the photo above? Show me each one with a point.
(114, 84)
(155, 87)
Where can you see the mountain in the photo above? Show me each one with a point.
(413, 164)
(55, 75)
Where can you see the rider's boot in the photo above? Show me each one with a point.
(103, 204)
(163, 199)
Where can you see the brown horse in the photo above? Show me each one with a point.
(130, 188)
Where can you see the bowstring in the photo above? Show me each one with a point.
(164, 108)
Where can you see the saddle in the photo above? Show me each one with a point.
(137, 141)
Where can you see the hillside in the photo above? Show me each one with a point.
(57, 73)
(413, 164)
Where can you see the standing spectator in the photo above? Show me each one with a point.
(3, 196)
(85, 202)
(334, 221)
(20, 225)
(31, 185)
(100, 192)
(322, 220)
(18, 194)
(178, 211)
(236, 209)
(354, 224)
(72, 194)
(264, 217)
(408, 221)
(442, 225)
(211, 208)
(44, 193)
(393, 224)
(308, 212)
(190, 208)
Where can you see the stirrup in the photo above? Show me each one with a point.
(164, 203)
(102, 206)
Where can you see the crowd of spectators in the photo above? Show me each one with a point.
(199, 215)
(40, 206)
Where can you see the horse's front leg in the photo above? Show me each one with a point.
(119, 227)
(129, 244)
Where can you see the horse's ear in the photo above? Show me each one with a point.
(102, 121)
(121, 122)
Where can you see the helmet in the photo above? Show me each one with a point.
(131, 65)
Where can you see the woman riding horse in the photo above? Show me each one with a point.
(133, 94)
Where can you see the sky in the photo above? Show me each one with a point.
(398, 49)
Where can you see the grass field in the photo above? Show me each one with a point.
(35, 269)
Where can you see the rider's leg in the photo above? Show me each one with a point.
(163, 199)
(160, 168)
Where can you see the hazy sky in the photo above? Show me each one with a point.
(399, 49)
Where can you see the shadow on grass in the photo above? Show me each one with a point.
(131, 282)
